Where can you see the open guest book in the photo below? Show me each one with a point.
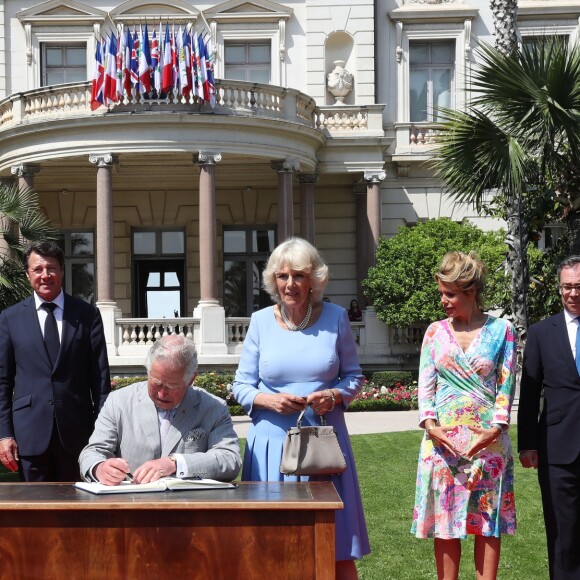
(163, 484)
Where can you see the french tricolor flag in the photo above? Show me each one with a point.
(98, 79)
(110, 89)
(145, 63)
(167, 68)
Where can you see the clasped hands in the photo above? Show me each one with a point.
(287, 404)
(115, 470)
(484, 438)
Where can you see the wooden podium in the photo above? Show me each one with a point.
(271, 531)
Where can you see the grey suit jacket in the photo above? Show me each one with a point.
(201, 430)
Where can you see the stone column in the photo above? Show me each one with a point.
(104, 250)
(362, 239)
(373, 181)
(25, 173)
(307, 217)
(5, 225)
(212, 318)
(104, 254)
(207, 227)
(285, 169)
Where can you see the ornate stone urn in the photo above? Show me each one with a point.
(339, 82)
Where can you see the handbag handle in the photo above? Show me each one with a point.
(299, 422)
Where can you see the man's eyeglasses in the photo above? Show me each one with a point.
(568, 288)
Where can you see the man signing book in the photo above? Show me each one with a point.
(163, 426)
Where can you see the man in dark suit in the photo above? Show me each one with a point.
(549, 422)
(54, 373)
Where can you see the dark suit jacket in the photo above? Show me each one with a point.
(33, 394)
(549, 365)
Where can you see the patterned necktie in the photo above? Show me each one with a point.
(51, 337)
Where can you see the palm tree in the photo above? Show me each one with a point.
(505, 26)
(518, 134)
(21, 221)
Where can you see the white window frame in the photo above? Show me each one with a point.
(64, 45)
(61, 36)
(238, 20)
(247, 65)
(545, 17)
(246, 33)
(431, 67)
(422, 33)
(59, 22)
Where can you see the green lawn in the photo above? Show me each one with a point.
(387, 466)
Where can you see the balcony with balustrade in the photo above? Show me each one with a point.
(57, 121)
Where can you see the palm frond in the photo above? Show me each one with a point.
(475, 155)
(21, 221)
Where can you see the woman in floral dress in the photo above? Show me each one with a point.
(466, 388)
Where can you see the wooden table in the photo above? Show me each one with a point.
(267, 531)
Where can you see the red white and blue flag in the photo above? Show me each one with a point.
(127, 51)
(203, 69)
(110, 88)
(135, 62)
(144, 63)
(166, 69)
(209, 65)
(98, 79)
(127, 63)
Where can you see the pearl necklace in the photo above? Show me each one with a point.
(291, 325)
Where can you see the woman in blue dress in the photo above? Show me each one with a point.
(301, 352)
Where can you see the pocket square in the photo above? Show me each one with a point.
(195, 434)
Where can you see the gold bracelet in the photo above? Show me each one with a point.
(333, 400)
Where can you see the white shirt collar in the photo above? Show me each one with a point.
(59, 300)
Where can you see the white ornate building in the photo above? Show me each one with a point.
(169, 208)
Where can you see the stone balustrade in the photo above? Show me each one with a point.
(237, 328)
(407, 339)
(134, 336)
(232, 97)
(136, 333)
(343, 120)
(423, 135)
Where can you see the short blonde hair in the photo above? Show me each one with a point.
(296, 254)
(463, 271)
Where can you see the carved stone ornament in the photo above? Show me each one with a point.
(339, 82)
(103, 159)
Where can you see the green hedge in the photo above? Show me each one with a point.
(380, 405)
(390, 379)
(219, 384)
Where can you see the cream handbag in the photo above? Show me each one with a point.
(312, 450)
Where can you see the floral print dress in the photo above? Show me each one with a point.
(456, 496)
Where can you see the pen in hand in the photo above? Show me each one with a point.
(129, 477)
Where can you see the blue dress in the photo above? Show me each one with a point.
(275, 360)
